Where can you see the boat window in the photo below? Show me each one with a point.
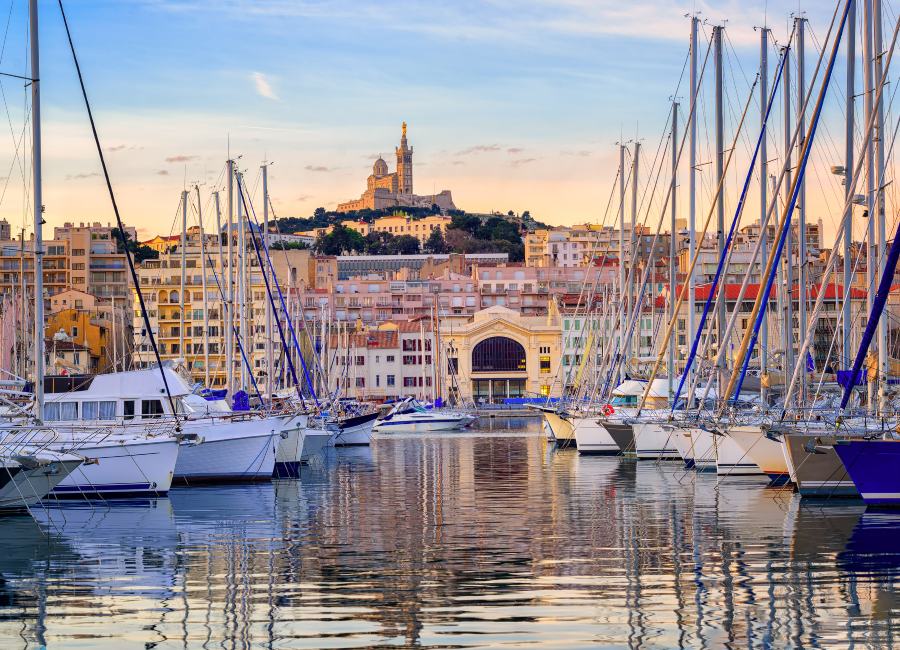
(55, 411)
(128, 409)
(90, 410)
(108, 410)
(151, 408)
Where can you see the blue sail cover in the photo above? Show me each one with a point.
(843, 378)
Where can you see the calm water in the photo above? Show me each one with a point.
(468, 540)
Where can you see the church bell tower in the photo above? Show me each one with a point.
(404, 165)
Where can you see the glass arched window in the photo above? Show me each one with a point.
(498, 354)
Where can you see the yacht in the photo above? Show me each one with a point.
(409, 416)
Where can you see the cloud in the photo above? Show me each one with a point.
(123, 147)
(479, 148)
(263, 86)
(522, 161)
(318, 168)
(582, 153)
(118, 147)
(458, 162)
(162, 172)
(514, 150)
(77, 177)
(304, 197)
(180, 159)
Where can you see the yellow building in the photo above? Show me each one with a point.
(499, 353)
(84, 336)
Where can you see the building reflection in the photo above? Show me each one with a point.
(456, 540)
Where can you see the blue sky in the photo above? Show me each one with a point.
(511, 104)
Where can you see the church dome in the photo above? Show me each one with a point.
(380, 167)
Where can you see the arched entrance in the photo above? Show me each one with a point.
(502, 357)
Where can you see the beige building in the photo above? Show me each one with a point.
(386, 189)
(499, 353)
(401, 224)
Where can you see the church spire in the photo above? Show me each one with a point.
(404, 165)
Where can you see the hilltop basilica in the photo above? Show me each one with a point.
(387, 190)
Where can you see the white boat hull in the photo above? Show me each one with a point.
(402, 424)
(592, 438)
(732, 460)
(768, 454)
(289, 449)
(356, 435)
(704, 450)
(654, 442)
(314, 443)
(22, 487)
(229, 450)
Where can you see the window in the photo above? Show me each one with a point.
(389, 358)
(151, 408)
(545, 363)
(409, 382)
(409, 360)
(377, 380)
(360, 382)
(391, 380)
(498, 353)
(360, 360)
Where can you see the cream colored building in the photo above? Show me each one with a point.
(499, 353)
(386, 189)
(400, 224)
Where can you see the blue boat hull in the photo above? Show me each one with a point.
(873, 466)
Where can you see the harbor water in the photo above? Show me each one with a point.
(488, 538)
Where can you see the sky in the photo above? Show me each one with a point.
(511, 104)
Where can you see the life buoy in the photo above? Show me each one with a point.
(608, 410)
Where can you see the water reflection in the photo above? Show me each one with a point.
(455, 540)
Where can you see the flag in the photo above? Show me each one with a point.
(810, 364)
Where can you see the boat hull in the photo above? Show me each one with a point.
(412, 424)
(562, 429)
(621, 433)
(236, 450)
(592, 438)
(872, 465)
(289, 449)
(314, 443)
(141, 467)
(355, 431)
(731, 459)
(817, 473)
(22, 487)
(652, 441)
(763, 451)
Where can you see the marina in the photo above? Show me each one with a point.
(399, 423)
(486, 538)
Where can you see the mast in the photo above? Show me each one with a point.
(802, 275)
(763, 197)
(692, 180)
(632, 256)
(883, 351)
(226, 308)
(184, 300)
(203, 285)
(241, 282)
(38, 213)
(229, 309)
(788, 279)
(720, 170)
(871, 244)
(848, 167)
(265, 244)
(672, 247)
(623, 302)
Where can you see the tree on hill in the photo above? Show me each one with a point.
(436, 244)
(403, 245)
(339, 241)
(138, 251)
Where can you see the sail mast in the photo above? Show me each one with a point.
(871, 244)
(763, 197)
(203, 288)
(692, 179)
(802, 272)
(787, 322)
(883, 351)
(848, 166)
(672, 248)
(38, 210)
(720, 180)
(270, 365)
(184, 298)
